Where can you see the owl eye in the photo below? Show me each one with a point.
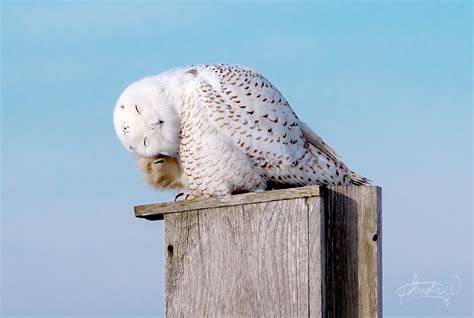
(160, 122)
(144, 142)
(158, 161)
(136, 108)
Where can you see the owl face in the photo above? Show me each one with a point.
(145, 123)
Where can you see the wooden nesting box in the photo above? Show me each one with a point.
(310, 251)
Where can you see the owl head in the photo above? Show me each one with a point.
(145, 121)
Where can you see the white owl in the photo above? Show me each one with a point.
(230, 128)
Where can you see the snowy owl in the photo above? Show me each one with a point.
(230, 129)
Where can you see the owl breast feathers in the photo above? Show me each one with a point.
(228, 128)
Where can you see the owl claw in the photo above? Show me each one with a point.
(189, 196)
(184, 196)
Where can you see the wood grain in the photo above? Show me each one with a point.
(157, 210)
(353, 247)
(316, 256)
(250, 260)
(299, 252)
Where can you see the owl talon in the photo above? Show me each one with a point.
(180, 195)
(184, 196)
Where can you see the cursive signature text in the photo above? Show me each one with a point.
(414, 288)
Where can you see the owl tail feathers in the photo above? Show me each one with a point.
(357, 179)
(318, 146)
(318, 142)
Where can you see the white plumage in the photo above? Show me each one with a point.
(230, 128)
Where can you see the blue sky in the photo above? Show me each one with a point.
(389, 85)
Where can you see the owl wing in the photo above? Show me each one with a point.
(245, 107)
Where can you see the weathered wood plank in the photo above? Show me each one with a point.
(353, 247)
(250, 260)
(316, 256)
(157, 210)
(294, 252)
